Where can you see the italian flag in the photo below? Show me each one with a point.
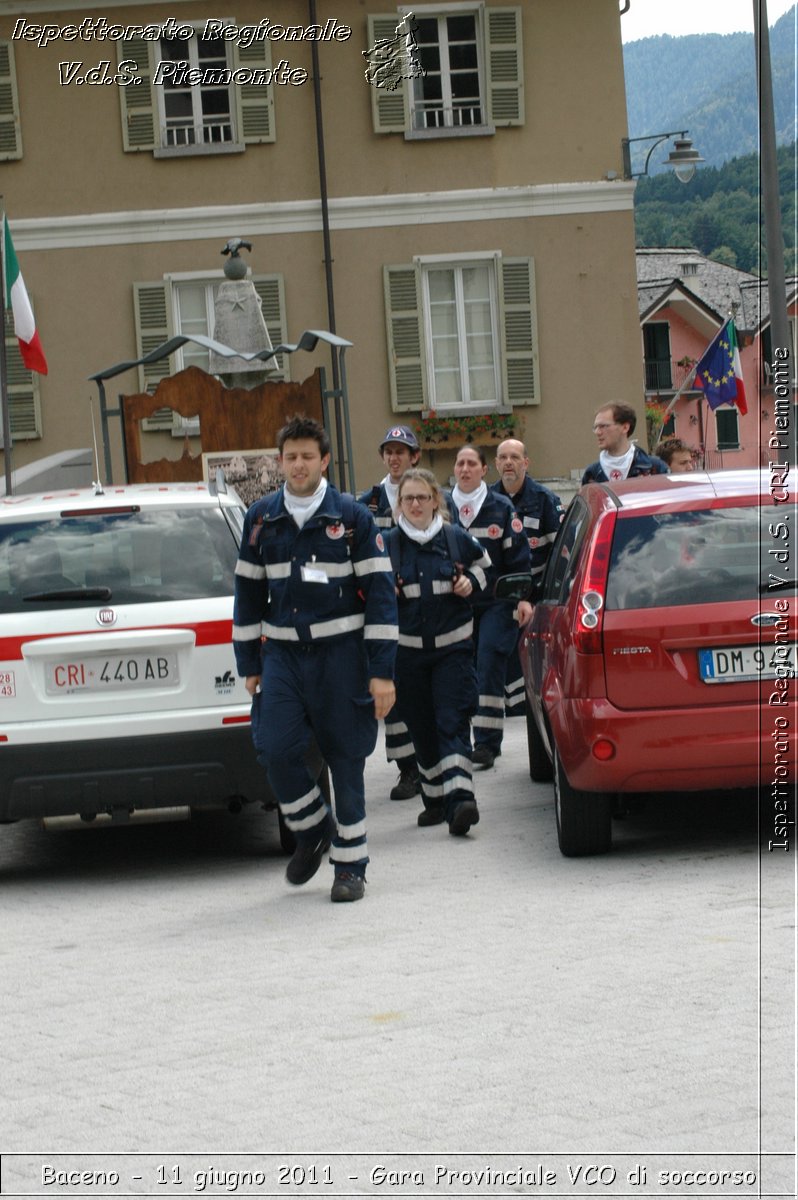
(17, 299)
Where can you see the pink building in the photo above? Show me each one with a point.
(684, 299)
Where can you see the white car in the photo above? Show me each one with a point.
(118, 687)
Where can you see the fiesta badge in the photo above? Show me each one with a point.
(335, 531)
(106, 617)
(494, 531)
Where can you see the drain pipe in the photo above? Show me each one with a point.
(325, 226)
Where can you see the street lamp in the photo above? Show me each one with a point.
(683, 157)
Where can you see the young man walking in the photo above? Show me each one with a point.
(315, 634)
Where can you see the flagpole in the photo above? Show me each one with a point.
(7, 444)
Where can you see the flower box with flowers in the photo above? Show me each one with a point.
(486, 429)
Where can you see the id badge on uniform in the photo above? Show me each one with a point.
(313, 574)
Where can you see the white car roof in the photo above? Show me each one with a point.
(144, 495)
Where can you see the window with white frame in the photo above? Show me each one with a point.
(471, 69)
(462, 333)
(461, 320)
(449, 94)
(172, 112)
(199, 113)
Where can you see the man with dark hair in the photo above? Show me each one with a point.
(315, 633)
(399, 450)
(619, 457)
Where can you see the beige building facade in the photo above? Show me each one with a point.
(482, 238)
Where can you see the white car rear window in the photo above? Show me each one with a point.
(128, 556)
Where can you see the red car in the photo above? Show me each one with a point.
(661, 653)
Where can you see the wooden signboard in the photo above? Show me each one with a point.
(230, 419)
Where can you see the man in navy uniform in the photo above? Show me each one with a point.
(491, 519)
(315, 634)
(619, 457)
(541, 512)
(399, 450)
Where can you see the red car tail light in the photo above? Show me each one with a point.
(590, 614)
(603, 749)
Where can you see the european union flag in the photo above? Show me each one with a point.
(719, 373)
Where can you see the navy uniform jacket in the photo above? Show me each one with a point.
(431, 616)
(642, 464)
(353, 589)
(377, 502)
(499, 530)
(541, 512)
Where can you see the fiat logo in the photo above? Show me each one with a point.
(106, 616)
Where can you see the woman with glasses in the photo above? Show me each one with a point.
(437, 567)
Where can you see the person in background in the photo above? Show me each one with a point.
(399, 450)
(315, 634)
(676, 455)
(437, 568)
(492, 520)
(541, 512)
(619, 458)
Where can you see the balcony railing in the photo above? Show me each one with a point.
(665, 375)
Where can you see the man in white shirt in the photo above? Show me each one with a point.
(619, 458)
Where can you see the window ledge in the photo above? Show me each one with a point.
(425, 135)
(192, 151)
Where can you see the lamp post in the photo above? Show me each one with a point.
(684, 158)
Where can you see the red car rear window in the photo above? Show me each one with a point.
(700, 557)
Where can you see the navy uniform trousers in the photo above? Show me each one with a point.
(496, 631)
(436, 695)
(305, 692)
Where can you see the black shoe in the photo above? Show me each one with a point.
(306, 859)
(483, 757)
(465, 815)
(348, 886)
(409, 785)
(431, 816)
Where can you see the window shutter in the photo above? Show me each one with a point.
(10, 131)
(151, 302)
(387, 108)
(254, 102)
(24, 408)
(139, 124)
(505, 63)
(405, 338)
(271, 290)
(519, 329)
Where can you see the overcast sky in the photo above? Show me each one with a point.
(646, 18)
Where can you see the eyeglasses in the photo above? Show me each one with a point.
(604, 425)
(411, 498)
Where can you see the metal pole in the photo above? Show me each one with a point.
(325, 214)
(7, 443)
(770, 204)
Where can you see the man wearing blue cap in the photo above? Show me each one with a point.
(399, 450)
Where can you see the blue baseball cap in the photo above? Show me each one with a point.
(400, 433)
